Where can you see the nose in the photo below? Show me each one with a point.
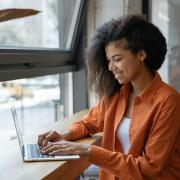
(111, 66)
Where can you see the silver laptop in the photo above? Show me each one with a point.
(30, 152)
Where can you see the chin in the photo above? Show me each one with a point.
(120, 81)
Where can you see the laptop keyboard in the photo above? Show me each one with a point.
(33, 152)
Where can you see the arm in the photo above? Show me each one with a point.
(92, 123)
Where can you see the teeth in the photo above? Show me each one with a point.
(116, 76)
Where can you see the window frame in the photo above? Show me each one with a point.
(146, 8)
(25, 63)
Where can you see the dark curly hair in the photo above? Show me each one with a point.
(139, 34)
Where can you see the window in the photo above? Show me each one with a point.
(39, 102)
(41, 30)
(37, 57)
(165, 13)
(41, 44)
(38, 31)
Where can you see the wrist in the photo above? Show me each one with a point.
(66, 135)
(87, 149)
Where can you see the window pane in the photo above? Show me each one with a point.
(165, 14)
(51, 28)
(38, 102)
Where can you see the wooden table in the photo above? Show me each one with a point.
(12, 166)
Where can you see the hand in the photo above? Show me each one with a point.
(65, 147)
(50, 136)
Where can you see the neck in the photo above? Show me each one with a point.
(142, 81)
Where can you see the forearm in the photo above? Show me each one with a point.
(116, 163)
(84, 149)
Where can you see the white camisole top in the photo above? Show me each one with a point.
(122, 134)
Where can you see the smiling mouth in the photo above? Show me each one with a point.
(116, 75)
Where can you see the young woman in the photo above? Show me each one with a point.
(137, 112)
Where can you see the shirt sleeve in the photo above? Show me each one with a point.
(92, 123)
(160, 144)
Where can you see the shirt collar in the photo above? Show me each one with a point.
(147, 93)
(125, 89)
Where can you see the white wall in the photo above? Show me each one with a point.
(160, 18)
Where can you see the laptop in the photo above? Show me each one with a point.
(30, 152)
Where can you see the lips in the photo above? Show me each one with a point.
(117, 74)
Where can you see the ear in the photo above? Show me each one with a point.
(142, 55)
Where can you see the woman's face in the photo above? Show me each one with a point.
(125, 65)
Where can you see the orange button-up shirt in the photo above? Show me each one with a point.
(154, 132)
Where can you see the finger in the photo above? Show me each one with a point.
(60, 152)
(49, 149)
(45, 148)
(41, 138)
(47, 138)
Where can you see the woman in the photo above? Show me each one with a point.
(137, 112)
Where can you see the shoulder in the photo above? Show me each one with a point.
(107, 102)
(166, 93)
(113, 98)
(160, 91)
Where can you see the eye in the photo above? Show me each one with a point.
(117, 60)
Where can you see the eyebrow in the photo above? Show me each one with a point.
(115, 55)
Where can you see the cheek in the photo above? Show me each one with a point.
(122, 65)
(133, 71)
(125, 67)
(129, 69)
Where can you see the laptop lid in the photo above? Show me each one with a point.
(18, 129)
